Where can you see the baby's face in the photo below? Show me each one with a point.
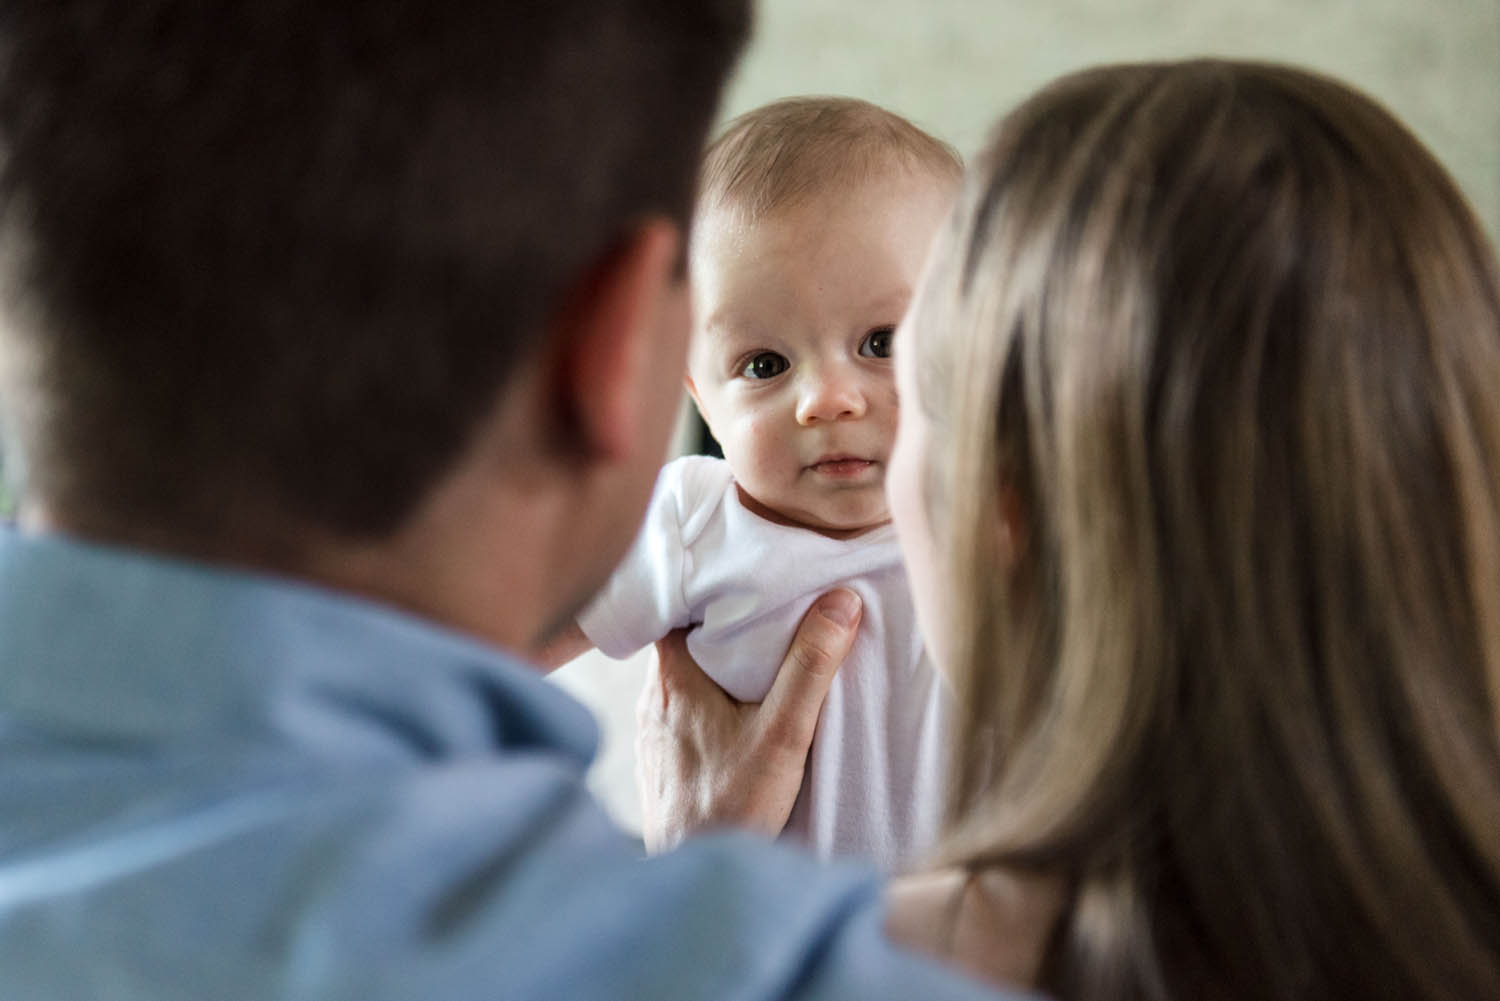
(791, 355)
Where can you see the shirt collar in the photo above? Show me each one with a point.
(102, 643)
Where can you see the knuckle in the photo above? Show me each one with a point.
(813, 653)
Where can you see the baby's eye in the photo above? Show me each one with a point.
(766, 365)
(877, 343)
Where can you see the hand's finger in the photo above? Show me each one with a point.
(680, 674)
(790, 711)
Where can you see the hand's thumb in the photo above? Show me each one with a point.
(820, 646)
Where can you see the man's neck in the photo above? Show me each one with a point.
(449, 564)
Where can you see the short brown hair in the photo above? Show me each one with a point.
(279, 258)
(1232, 335)
(796, 148)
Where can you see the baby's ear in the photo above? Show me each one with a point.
(687, 382)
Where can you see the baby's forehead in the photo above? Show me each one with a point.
(726, 235)
(791, 253)
(858, 249)
(728, 211)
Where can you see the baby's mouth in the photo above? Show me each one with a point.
(842, 465)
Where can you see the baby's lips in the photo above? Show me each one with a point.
(831, 457)
(843, 465)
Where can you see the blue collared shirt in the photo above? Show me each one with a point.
(217, 785)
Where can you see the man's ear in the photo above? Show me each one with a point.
(621, 325)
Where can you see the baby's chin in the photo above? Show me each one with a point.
(836, 524)
(843, 525)
(854, 531)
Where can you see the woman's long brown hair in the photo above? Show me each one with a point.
(1230, 337)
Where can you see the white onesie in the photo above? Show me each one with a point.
(873, 784)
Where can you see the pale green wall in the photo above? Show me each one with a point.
(954, 65)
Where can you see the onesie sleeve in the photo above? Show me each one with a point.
(643, 599)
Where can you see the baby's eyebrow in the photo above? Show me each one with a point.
(894, 302)
(723, 324)
(714, 321)
(887, 307)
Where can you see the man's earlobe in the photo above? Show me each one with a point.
(618, 327)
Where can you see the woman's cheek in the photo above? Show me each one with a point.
(904, 494)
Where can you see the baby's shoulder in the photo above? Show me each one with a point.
(698, 472)
(696, 486)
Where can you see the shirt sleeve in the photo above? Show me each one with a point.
(643, 599)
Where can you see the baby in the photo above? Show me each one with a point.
(813, 221)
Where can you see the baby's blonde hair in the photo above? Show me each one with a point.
(1231, 337)
(786, 152)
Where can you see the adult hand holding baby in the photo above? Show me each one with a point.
(693, 738)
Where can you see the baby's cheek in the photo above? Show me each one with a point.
(890, 414)
(761, 447)
(773, 450)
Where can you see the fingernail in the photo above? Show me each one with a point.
(840, 606)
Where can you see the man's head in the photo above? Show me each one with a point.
(270, 263)
(814, 219)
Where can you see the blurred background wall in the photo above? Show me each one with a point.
(952, 66)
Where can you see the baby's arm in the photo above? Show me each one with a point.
(567, 644)
(643, 599)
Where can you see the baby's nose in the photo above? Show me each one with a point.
(830, 395)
